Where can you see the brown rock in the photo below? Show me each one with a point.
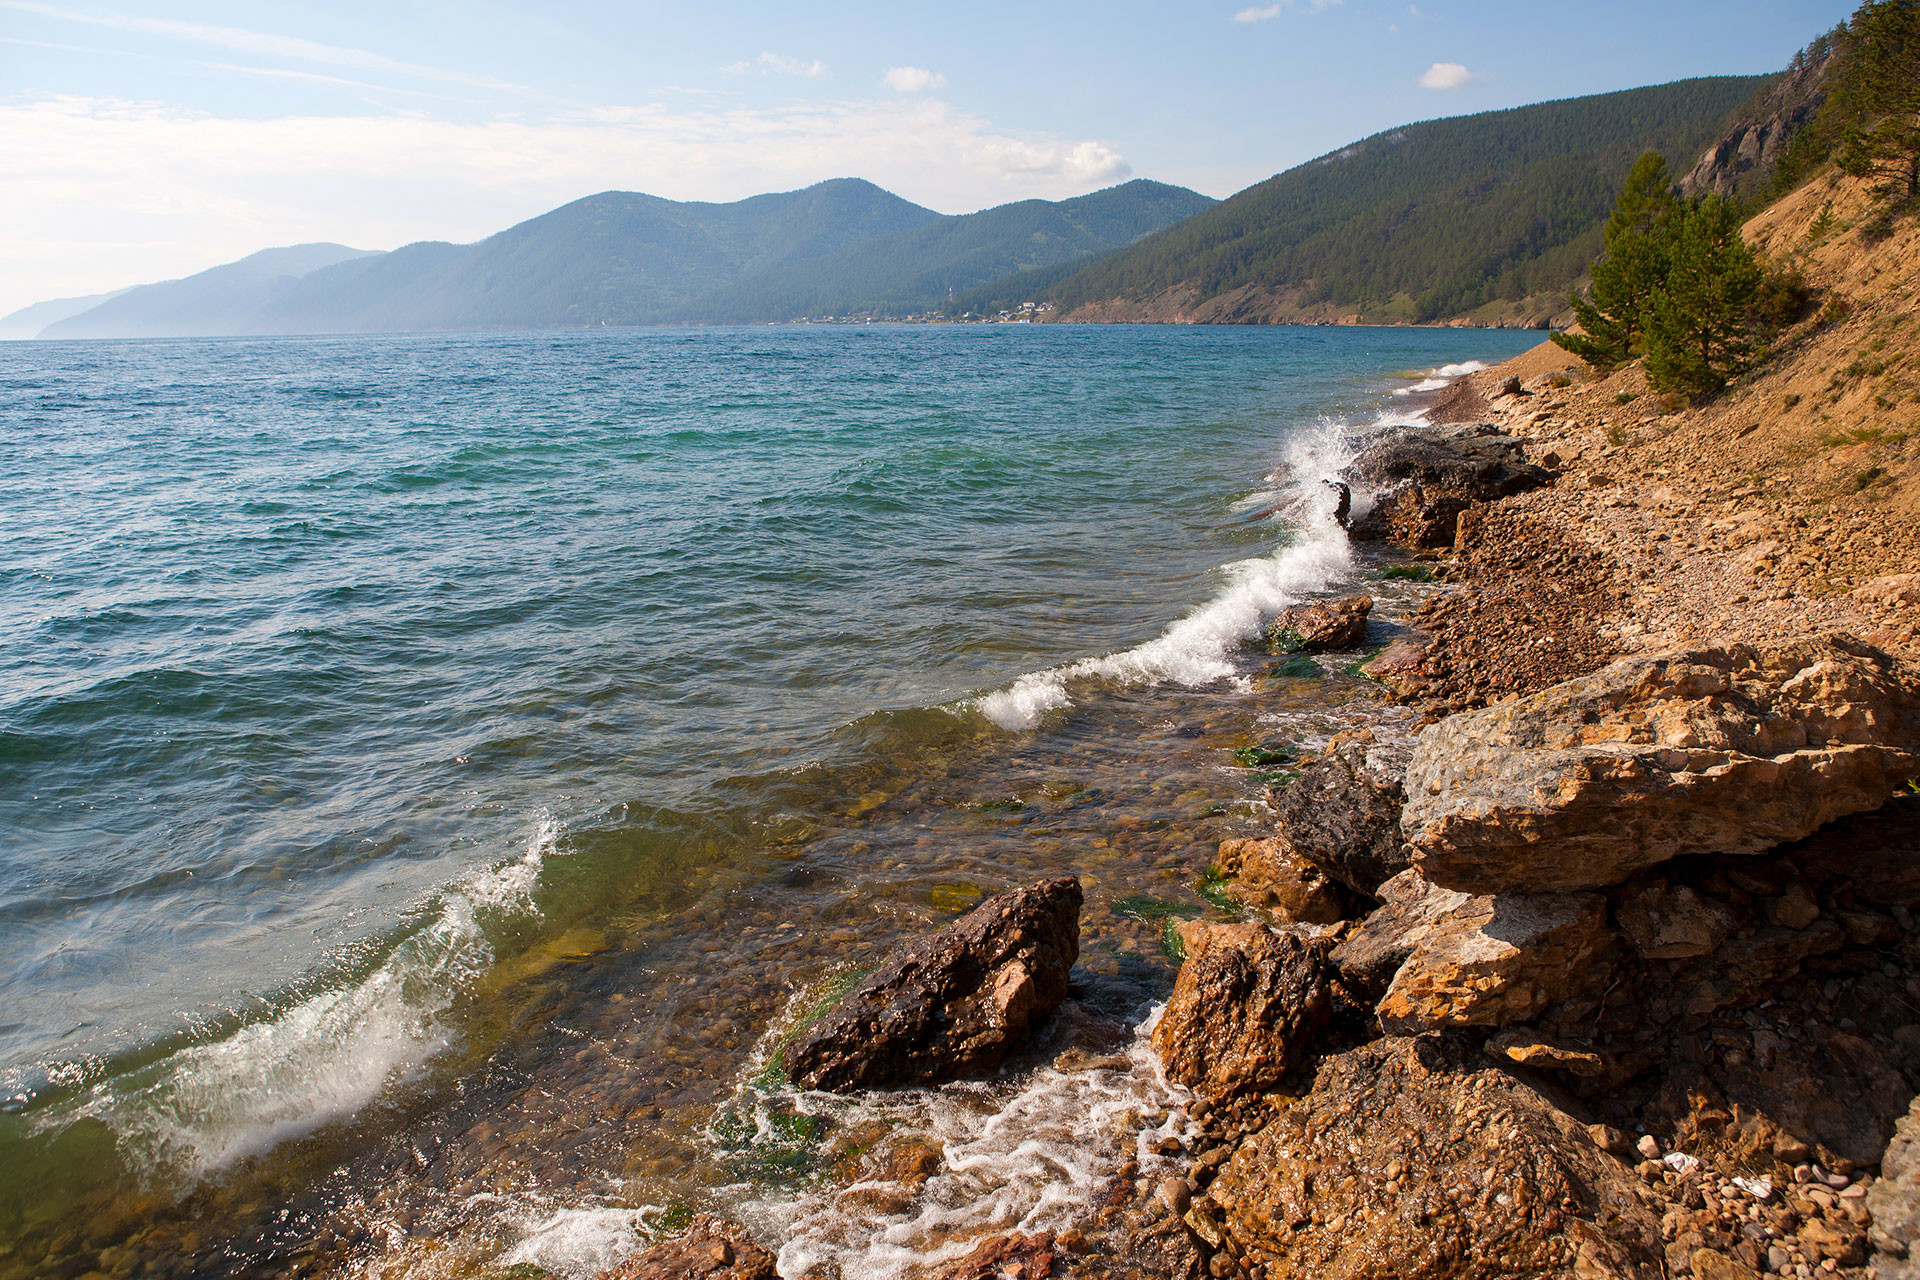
(712, 1247)
(1414, 1158)
(1530, 1049)
(1831, 1087)
(1342, 814)
(1246, 1008)
(1732, 749)
(1268, 875)
(1708, 1265)
(1401, 666)
(1409, 909)
(1894, 1201)
(1010, 1257)
(1431, 474)
(1325, 624)
(1673, 922)
(952, 1004)
(1499, 960)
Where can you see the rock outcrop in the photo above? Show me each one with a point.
(1246, 1008)
(1429, 475)
(1342, 814)
(1324, 624)
(1269, 876)
(1731, 749)
(953, 1004)
(1418, 1159)
(711, 1249)
(1894, 1202)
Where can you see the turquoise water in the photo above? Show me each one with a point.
(337, 674)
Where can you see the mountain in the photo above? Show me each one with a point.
(921, 269)
(1489, 217)
(217, 300)
(28, 321)
(1746, 162)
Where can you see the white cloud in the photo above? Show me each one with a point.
(1447, 75)
(773, 64)
(1260, 13)
(913, 79)
(97, 193)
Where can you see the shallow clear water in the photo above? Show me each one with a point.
(370, 706)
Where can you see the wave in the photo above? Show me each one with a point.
(204, 1107)
(1198, 649)
(1443, 377)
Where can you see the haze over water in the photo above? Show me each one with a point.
(337, 676)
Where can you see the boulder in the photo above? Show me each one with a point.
(1431, 474)
(1402, 665)
(1409, 909)
(953, 1004)
(1269, 876)
(1325, 624)
(1499, 960)
(1417, 1159)
(712, 1247)
(1730, 749)
(1894, 1202)
(1673, 922)
(1246, 1009)
(1342, 814)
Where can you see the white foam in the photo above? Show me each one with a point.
(1031, 1161)
(205, 1106)
(1444, 376)
(579, 1240)
(1197, 650)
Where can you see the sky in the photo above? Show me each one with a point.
(142, 142)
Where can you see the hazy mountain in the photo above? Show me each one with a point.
(219, 300)
(921, 269)
(28, 321)
(1494, 215)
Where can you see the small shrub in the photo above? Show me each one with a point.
(1835, 310)
(1625, 397)
(1791, 399)
(1560, 381)
(1616, 434)
(1780, 300)
(1821, 225)
(1865, 480)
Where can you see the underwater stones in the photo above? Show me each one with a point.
(1246, 1008)
(1728, 749)
(1497, 960)
(1415, 1157)
(1342, 814)
(1325, 624)
(712, 1247)
(952, 1004)
(1269, 876)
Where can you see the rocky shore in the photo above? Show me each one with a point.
(1610, 967)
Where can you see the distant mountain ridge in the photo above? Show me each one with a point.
(1489, 217)
(621, 258)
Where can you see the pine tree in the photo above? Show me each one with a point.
(1879, 93)
(1639, 239)
(1699, 332)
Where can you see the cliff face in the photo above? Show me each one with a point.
(1744, 161)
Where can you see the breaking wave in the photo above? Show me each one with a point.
(1443, 377)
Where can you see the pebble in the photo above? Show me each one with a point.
(1177, 1195)
(1649, 1146)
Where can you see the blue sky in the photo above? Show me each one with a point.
(145, 141)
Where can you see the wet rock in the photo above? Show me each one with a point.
(1401, 666)
(711, 1247)
(1894, 1202)
(1672, 922)
(1432, 474)
(1731, 749)
(1409, 909)
(1010, 1257)
(1417, 1158)
(1499, 960)
(953, 1004)
(1342, 814)
(1325, 624)
(1531, 1049)
(1246, 1008)
(1269, 876)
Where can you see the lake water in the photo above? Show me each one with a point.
(430, 766)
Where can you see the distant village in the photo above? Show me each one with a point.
(1025, 313)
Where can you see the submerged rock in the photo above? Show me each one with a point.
(712, 1247)
(952, 1004)
(1011, 1257)
(1731, 749)
(1269, 876)
(1342, 814)
(1417, 1159)
(1325, 624)
(1246, 1008)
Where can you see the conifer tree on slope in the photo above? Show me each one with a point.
(1639, 239)
(1698, 329)
(1879, 91)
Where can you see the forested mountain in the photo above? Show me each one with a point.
(922, 269)
(218, 300)
(1492, 216)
